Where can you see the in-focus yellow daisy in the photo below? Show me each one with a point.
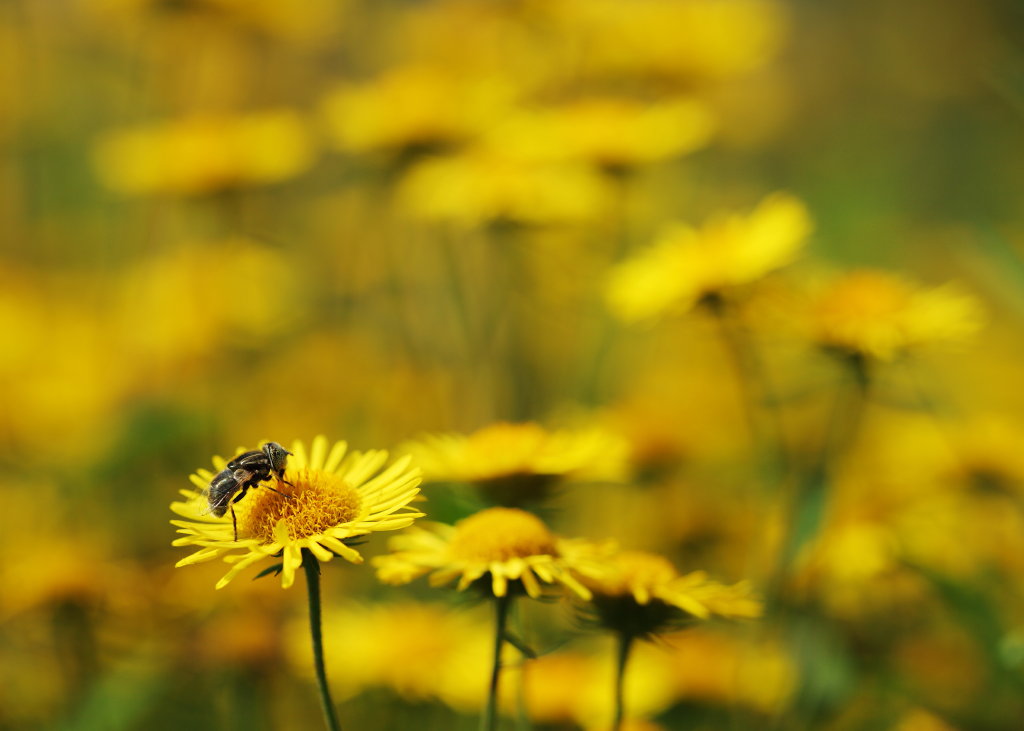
(880, 315)
(518, 463)
(333, 496)
(496, 547)
(686, 265)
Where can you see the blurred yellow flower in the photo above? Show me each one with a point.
(987, 453)
(612, 132)
(479, 187)
(407, 647)
(697, 41)
(881, 315)
(685, 265)
(411, 106)
(632, 579)
(334, 497)
(165, 329)
(709, 665)
(205, 153)
(68, 401)
(498, 546)
(571, 687)
(520, 450)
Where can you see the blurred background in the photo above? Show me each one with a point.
(225, 221)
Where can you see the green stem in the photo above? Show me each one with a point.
(625, 641)
(501, 607)
(312, 567)
(809, 502)
(759, 401)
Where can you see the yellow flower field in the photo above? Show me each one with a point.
(649, 364)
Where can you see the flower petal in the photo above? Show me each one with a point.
(317, 453)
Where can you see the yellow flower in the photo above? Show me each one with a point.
(640, 592)
(517, 463)
(685, 265)
(435, 107)
(880, 315)
(504, 449)
(988, 454)
(333, 497)
(496, 545)
(570, 687)
(420, 651)
(723, 38)
(167, 333)
(711, 666)
(612, 132)
(479, 187)
(205, 153)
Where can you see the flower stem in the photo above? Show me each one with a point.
(501, 607)
(625, 641)
(312, 567)
(808, 504)
(759, 400)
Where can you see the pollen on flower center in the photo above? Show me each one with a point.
(498, 534)
(319, 501)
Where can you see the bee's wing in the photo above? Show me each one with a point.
(222, 488)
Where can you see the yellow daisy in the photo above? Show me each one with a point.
(333, 496)
(200, 154)
(642, 593)
(495, 546)
(880, 315)
(517, 463)
(686, 265)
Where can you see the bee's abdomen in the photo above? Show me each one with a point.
(222, 487)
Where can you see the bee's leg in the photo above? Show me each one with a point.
(238, 496)
(290, 497)
(280, 478)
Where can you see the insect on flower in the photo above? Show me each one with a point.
(246, 470)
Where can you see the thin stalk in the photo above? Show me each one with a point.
(312, 567)
(759, 400)
(625, 644)
(490, 716)
(808, 504)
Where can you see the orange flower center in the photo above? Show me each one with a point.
(500, 534)
(318, 501)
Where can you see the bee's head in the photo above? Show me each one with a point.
(277, 455)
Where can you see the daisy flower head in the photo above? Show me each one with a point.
(641, 594)
(881, 316)
(685, 265)
(498, 550)
(326, 497)
(517, 464)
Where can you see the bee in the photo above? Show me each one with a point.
(246, 470)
